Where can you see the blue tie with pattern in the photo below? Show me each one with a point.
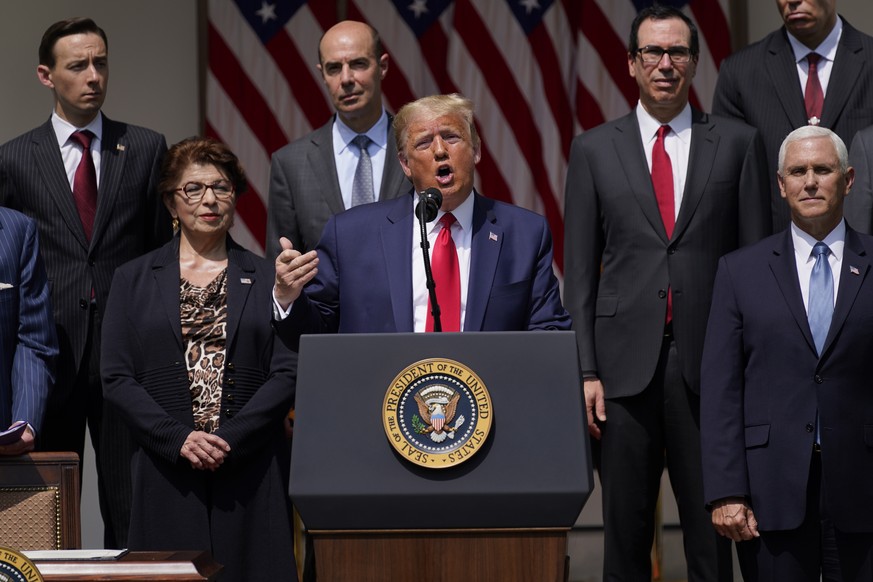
(362, 186)
(821, 296)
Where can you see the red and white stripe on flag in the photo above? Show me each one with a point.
(538, 72)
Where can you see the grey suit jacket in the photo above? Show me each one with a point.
(619, 263)
(858, 208)
(130, 220)
(305, 190)
(759, 86)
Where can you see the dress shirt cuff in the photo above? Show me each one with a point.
(280, 314)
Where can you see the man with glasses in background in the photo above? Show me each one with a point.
(652, 201)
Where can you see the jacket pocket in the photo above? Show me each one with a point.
(757, 436)
(606, 306)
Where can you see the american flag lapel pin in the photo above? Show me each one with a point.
(119, 147)
(492, 236)
(854, 270)
(245, 280)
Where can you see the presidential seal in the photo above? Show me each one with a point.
(15, 567)
(437, 413)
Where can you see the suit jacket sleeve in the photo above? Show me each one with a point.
(282, 216)
(755, 221)
(32, 368)
(583, 248)
(722, 434)
(727, 100)
(859, 204)
(547, 311)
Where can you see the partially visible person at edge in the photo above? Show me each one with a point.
(191, 363)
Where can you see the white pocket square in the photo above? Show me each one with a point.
(5, 286)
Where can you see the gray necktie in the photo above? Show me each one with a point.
(362, 187)
(821, 296)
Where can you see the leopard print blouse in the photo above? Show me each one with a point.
(204, 332)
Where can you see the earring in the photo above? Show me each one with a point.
(175, 225)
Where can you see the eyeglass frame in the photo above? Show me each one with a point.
(665, 51)
(204, 187)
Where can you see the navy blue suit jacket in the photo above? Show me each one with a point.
(364, 281)
(762, 382)
(28, 345)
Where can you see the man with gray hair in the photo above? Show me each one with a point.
(786, 404)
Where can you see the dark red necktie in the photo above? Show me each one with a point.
(813, 96)
(447, 276)
(662, 180)
(85, 183)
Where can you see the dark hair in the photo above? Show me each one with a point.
(68, 27)
(378, 49)
(200, 150)
(658, 12)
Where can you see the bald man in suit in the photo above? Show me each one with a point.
(311, 179)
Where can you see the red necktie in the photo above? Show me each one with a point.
(447, 276)
(662, 180)
(813, 96)
(85, 183)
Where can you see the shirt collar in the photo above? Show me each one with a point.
(680, 125)
(803, 242)
(378, 133)
(827, 49)
(64, 129)
(463, 214)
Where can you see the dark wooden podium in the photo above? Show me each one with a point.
(502, 515)
(142, 566)
(508, 555)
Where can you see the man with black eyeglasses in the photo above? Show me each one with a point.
(652, 201)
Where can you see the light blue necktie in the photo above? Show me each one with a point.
(821, 296)
(362, 186)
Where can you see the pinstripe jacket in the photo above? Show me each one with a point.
(130, 219)
(28, 345)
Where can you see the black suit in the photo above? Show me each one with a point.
(619, 265)
(130, 220)
(305, 191)
(759, 85)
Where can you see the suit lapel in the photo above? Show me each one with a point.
(704, 146)
(50, 166)
(856, 266)
(782, 69)
(784, 268)
(629, 147)
(848, 63)
(240, 279)
(320, 158)
(113, 152)
(167, 276)
(397, 235)
(487, 240)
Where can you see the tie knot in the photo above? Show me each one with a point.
(820, 249)
(448, 220)
(812, 59)
(83, 138)
(663, 131)
(362, 142)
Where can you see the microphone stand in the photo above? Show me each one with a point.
(428, 274)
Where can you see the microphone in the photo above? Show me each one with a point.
(429, 203)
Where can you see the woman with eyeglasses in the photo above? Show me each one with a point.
(190, 362)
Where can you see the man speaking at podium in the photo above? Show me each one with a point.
(491, 261)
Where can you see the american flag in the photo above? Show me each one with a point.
(538, 72)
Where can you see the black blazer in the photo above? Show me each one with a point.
(618, 261)
(759, 86)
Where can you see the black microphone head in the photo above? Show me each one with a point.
(432, 199)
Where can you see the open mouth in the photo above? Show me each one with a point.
(444, 175)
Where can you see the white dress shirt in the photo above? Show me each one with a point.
(677, 143)
(71, 152)
(346, 155)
